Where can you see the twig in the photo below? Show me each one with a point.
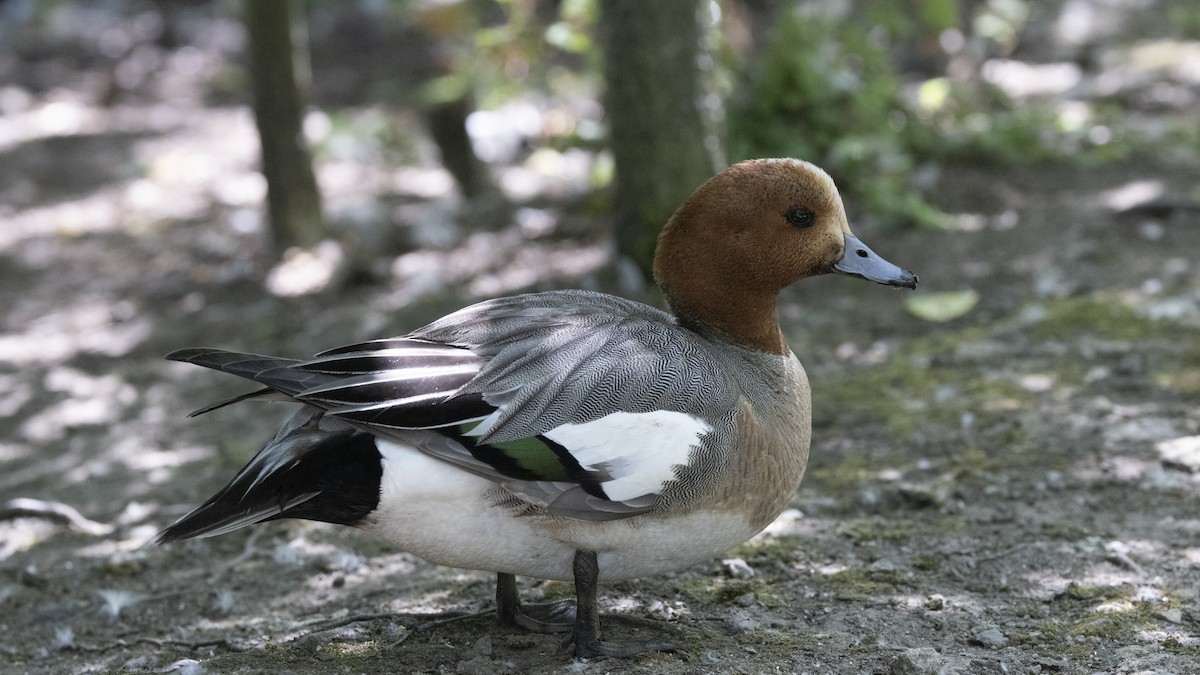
(1002, 554)
(954, 573)
(629, 619)
(248, 550)
(432, 620)
(58, 512)
(240, 647)
(353, 618)
(1122, 560)
(443, 620)
(436, 623)
(159, 642)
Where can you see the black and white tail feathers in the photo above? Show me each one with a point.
(320, 466)
(400, 383)
(304, 472)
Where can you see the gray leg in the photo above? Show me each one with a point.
(586, 635)
(552, 617)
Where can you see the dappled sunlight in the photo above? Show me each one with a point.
(59, 335)
(305, 271)
(1182, 453)
(1150, 60)
(1022, 79)
(348, 183)
(24, 122)
(17, 393)
(1005, 464)
(22, 534)
(153, 462)
(548, 173)
(99, 212)
(90, 400)
(1132, 194)
(537, 264)
(176, 176)
(786, 523)
(494, 263)
(1137, 565)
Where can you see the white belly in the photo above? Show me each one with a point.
(448, 516)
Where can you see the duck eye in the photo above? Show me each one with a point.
(800, 216)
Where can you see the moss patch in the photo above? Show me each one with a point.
(915, 388)
(877, 529)
(729, 591)
(1184, 381)
(859, 584)
(767, 550)
(1102, 316)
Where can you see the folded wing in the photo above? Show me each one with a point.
(586, 404)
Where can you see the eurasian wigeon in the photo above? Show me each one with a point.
(569, 435)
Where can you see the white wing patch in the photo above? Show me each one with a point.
(639, 450)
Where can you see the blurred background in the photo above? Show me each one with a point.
(289, 176)
(427, 123)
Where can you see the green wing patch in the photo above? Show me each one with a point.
(534, 458)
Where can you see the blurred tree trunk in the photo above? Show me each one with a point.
(293, 202)
(664, 143)
(447, 123)
(450, 29)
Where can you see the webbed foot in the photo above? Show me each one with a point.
(548, 617)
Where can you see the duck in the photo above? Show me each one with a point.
(568, 435)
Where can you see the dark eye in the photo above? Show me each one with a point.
(800, 216)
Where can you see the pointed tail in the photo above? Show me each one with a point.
(331, 475)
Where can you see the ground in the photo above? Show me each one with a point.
(1013, 490)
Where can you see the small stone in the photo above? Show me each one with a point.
(520, 641)
(32, 577)
(1148, 594)
(918, 661)
(882, 565)
(935, 602)
(1151, 230)
(480, 665)
(1181, 453)
(480, 662)
(313, 645)
(1174, 615)
(991, 638)
(1052, 664)
(186, 667)
(743, 622)
(738, 568)
(482, 647)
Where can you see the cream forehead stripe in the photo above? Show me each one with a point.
(819, 173)
(815, 170)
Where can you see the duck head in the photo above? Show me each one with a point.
(748, 233)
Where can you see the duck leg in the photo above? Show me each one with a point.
(550, 617)
(586, 634)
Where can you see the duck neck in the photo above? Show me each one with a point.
(748, 320)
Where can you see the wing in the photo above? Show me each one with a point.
(586, 404)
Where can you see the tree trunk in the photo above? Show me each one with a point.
(447, 123)
(663, 138)
(293, 202)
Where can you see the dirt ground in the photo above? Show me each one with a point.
(1016, 490)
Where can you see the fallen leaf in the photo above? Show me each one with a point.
(941, 306)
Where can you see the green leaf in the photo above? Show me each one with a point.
(941, 307)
